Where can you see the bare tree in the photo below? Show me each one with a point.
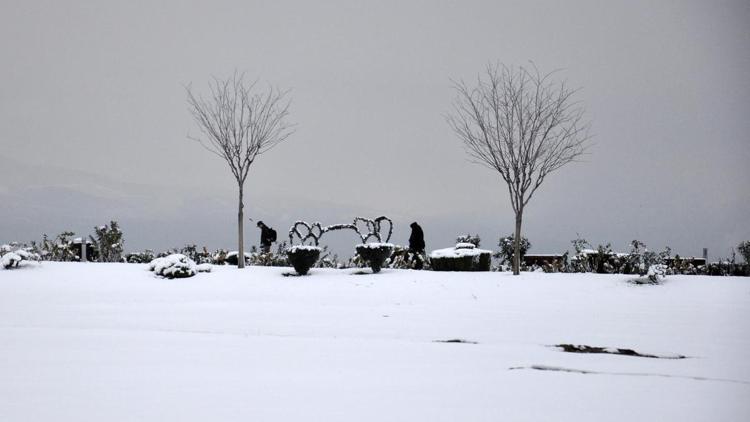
(239, 122)
(522, 124)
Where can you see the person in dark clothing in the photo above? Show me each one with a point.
(416, 246)
(267, 237)
(416, 240)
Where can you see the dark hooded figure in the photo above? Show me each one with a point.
(416, 240)
(267, 236)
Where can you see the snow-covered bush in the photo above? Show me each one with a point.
(200, 256)
(303, 257)
(10, 260)
(467, 238)
(277, 258)
(15, 256)
(655, 274)
(507, 248)
(375, 254)
(173, 266)
(683, 266)
(463, 258)
(143, 257)
(327, 259)
(579, 263)
(58, 249)
(108, 242)
(744, 249)
(406, 259)
(640, 259)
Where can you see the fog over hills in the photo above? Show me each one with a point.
(94, 119)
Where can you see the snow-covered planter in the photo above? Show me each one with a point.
(173, 266)
(404, 258)
(303, 257)
(308, 236)
(462, 257)
(374, 254)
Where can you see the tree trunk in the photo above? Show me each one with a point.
(241, 231)
(517, 244)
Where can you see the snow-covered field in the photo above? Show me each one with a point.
(110, 342)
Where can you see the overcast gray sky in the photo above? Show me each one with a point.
(93, 118)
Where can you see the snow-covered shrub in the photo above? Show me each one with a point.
(173, 266)
(507, 249)
(467, 238)
(58, 249)
(277, 258)
(15, 256)
(303, 257)
(108, 242)
(655, 274)
(406, 259)
(143, 257)
(640, 259)
(683, 266)
(327, 259)
(10, 260)
(374, 254)
(461, 259)
(579, 263)
(744, 249)
(600, 259)
(200, 256)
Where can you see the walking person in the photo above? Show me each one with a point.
(267, 237)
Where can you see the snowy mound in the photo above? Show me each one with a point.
(173, 266)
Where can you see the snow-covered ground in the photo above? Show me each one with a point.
(111, 342)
